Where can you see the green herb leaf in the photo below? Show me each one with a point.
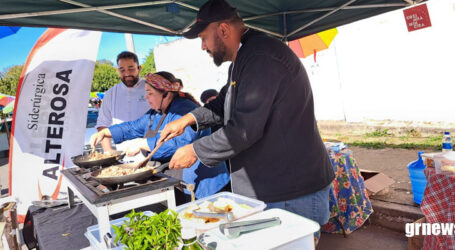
(160, 231)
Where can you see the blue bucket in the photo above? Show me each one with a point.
(418, 179)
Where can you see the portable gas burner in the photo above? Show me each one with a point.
(104, 200)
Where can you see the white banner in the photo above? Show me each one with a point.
(50, 113)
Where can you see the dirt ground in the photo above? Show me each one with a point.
(393, 162)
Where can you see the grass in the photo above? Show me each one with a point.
(378, 145)
(384, 138)
(379, 133)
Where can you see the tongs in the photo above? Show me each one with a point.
(233, 230)
(229, 216)
(47, 202)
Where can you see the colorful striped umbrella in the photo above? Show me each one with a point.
(9, 108)
(5, 99)
(98, 95)
(309, 45)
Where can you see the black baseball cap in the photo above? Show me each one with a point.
(207, 94)
(211, 11)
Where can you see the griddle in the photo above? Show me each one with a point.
(97, 193)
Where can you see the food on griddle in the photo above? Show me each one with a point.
(114, 171)
(221, 205)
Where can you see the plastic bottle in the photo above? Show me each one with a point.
(418, 179)
(189, 239)
(447, 142)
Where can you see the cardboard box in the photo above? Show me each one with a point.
(375, 181)
(416, 242)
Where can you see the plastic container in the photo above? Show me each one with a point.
(447, 142)
(255, 205)
(428, 159)
(335, 146)
(294, 232)
(445, 163)
(93, 235)
(418, 179)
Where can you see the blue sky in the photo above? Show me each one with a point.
(15, 48)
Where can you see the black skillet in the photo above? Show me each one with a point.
(157, 167)
(84, 161)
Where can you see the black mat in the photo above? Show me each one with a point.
(61, 228)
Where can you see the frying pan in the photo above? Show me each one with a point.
(84, 161)
(157, 167)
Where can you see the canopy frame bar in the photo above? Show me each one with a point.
(321, 17)
(327, 9)
(85, 9)
(285, 14)
(123, 16)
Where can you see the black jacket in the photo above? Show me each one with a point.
(271, 138)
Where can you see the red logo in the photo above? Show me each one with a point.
(417, 17)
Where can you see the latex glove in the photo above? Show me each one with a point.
(132, 151)
(136, 147)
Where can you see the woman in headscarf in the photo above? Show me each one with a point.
(167, 104)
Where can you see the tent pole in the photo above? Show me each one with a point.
(285, 29)
(366, 6)
(322, 17)
(123, 16)
(85, 9)
(129, 42)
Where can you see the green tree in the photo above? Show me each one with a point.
(9, 79)
(149, 65)
(105, 76)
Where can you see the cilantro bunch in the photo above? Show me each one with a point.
(160, 231)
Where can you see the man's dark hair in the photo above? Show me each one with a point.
(207, 94)
(169, 76)
(127, 55)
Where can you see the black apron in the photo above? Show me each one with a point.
(176, 173)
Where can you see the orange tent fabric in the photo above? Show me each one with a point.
(309, 45)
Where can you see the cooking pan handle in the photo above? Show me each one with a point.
(161, 167)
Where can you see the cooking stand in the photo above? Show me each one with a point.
(102, 207)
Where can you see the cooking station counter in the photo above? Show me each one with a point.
(103, 201)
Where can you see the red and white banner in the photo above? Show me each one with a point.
(50, 112)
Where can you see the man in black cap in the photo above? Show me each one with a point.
(208, 95)
(269, 132)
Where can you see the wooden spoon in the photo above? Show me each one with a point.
(143, 163)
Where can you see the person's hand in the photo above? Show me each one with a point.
(132, 151)
(184, 157)
(176, 128)
(136, 147)
(96, 138)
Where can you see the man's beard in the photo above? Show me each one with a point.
(131, 82)
(219, 53)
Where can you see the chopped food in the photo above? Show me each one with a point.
(448, 168)
(221, 205)
(121, 171)
(98, 156)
